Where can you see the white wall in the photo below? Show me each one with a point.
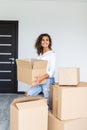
(66, 22)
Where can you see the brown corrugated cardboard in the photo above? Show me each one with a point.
(29, 113)
(70, 102)
(55, 99)
(51, 96)
(28, 70)
(56, 124)
(69, 76)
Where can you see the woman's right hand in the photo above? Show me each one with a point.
(36, 82)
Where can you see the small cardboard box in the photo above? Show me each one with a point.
(69, 76)
(28, 70)
(70, 102)
(56, 124)
(29, 113)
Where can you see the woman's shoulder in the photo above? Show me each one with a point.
(52, 52)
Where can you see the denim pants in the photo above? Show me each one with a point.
(44, 88)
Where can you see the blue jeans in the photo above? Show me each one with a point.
(44, 88)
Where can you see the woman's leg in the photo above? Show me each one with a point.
(46, 88)
(34, 91)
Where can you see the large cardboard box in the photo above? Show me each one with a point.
(69, 76)
(27, 70)
(29, 113)
(70, 102)
(51, 96)
(56, 124)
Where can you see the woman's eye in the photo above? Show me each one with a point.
(47, 39)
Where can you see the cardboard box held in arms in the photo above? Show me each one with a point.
(69, 102)
(29, 113)
(75, 124)
(28, 70)
(69, 76)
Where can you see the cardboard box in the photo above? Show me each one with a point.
(56, 124)
(51, 96)
(70, 102)
(69, 76)
(29, 113)
(54, 99)
(28, 70)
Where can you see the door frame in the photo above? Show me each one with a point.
(16, 23)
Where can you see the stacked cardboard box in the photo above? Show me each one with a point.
(56, 124)
(69, 76)
(69, 102)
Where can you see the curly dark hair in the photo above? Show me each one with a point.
(38, 46)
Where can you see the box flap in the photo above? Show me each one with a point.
(25, 99)
(24, 63)
(40, 64)
(33, 60)
(30, 104)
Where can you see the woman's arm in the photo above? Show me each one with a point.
(40, 78)
(52, 65)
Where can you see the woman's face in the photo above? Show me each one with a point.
(45, 42)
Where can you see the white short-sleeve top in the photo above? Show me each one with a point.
(50, 56)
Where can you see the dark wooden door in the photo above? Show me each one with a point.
(8, 54)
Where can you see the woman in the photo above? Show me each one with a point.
(43, 46)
